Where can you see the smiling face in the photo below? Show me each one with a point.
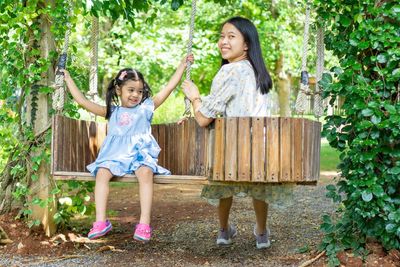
(131, 93)
(231, 44)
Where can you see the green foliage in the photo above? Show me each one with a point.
(73, 198)
(23, 79)
(365, 37)
(158, 41)
(148, 35)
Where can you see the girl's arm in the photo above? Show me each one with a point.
(80, 98)
(161, 96)
(192, 93)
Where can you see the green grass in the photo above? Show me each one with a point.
(329, 157)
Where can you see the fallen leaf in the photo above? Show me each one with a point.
(20, 246)
(57, 237)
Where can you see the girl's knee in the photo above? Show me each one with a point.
(144, 171)
(103, 175)
(144, 174)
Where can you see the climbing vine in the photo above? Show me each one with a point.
(365, 36)
(24, 71)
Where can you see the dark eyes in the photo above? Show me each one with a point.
(133, 90)
(229, 36)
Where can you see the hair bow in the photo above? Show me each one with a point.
(122, 75)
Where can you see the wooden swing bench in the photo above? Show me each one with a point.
(260, 149)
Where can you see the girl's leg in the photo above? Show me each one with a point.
(261, 210)
(101, 193)
(145, 177)
(224, 208)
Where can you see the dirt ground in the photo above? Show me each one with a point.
(185, 229)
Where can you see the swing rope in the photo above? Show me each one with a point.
(318, 101)
(304, 95)
(93, 59)
(187, 112)
(59, 89)
(59, 92)
(302, 98)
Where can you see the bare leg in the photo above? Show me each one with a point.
(145, 177)
(261, 210)
(101, 190)
(224, 207)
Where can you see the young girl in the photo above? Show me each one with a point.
(239, 89)
(129, 146)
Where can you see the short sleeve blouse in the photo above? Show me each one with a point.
(234, 93)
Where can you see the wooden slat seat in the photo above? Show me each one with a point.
(261, 149)
(158, 179)
(266, 150)
(76, 143)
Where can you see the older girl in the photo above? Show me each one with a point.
(240, 89)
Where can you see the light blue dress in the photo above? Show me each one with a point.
(129, 143)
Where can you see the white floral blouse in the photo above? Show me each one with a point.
(234, 93)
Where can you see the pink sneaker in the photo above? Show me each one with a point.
(99, 229)
(142, 232)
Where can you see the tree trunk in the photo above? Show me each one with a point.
(283, 88)
(283, 83)
(42, 187)
(7, 186)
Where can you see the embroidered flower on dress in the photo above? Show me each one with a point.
(125, 119)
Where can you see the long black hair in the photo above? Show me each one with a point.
(118, 82)
(254, 54)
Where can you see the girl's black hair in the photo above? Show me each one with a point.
(254, 54)
(131, 74)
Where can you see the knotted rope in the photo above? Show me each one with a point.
(189, 51)
(93, 59)
(59, 90)
(318, 101)
(302, 98)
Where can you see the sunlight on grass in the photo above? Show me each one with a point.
(329, 157)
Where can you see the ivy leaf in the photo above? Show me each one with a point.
(381, 58)
(390, 228)
(375, 119)
(353, 42)
(378, 190)
(394, 216)
(55, 191)
(363, 45)
(394, 170)
(331, 187)
(345, 21)
(390, 108)
(396, 73)
(367, 196)
(175, 4)
(367, 112)
(36, 201)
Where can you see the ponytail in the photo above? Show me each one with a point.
(111, 97)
